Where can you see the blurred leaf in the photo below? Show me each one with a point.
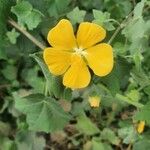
(3, 54)
(4, 13)
(84, 125)
(143, 144)
(27, 140)
(108, 134)
(7, 144)
(147, 90)
(99, 145)
(54, 83)
(12, 36)
(128, 134)
(139, 9)
(76, 15)
(67, 95)
(43, 114)
(5, 128)
(96, 145)
(118, 78)
(57, 7)
(35, 81)
(120, 48)
(134, 95)
(129, 101)
(143, 114)
(10, 72)
(5, 6)
(140, 78)
(118, 9)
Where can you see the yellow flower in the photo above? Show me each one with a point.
(94, 101)
(141, 127)
(71, 56)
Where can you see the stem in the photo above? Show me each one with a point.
(27, 34)
(122, 25)
(46, 89)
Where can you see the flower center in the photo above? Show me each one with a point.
(80, 51)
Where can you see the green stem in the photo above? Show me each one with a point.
(27, 34)
(122, 25)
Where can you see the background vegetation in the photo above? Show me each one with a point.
(37, 112)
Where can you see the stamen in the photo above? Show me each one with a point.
(79, 51)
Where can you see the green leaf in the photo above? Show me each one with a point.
(22, 9)
(98, 145)
(118, 9)
(147, 90)
(37, 82)
(4, 13)
(27, 140)
(7, 144)
(129, 101)
(128, 134)
(76, 15)
(120, 48)
(144, 114)
(33, 19)
(12, 36)
(134, 95)
(5, 6)
(27, 15)
(3, 54)
(108, 134)
(58, 7)
(138, 10)
(10, 72)
(103, 19)
(100, 15)
(84, 125)
(119, 76)
(137, 31)
(5, 128)
(143, 144)
(67, 94)
(140, 78)
(43, 113)
(54, 83)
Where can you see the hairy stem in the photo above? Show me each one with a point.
(27, 34)
(122, 25)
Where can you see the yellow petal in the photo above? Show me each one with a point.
(89, 34)
(141, 126)
(94, 101)
(78, 75)
(62, 36)
(100, 59)
(58, 61)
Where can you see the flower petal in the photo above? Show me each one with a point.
(100, 59)
(89, 34)
(94, 101)
(58, 61)
(62, 36)
(78, 75)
